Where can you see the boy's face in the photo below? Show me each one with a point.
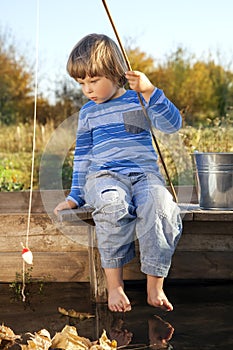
(99, 89)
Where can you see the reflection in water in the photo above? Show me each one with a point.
(159, 334)
(119, 333)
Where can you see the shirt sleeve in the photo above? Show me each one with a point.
(164, 115)
(81, 163)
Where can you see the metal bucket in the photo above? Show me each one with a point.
(214, 175)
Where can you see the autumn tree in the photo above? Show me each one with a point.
(17, 90)
(141, 61)
(201, 89)
(222, 81)
(16, 79)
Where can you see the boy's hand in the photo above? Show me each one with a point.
(64, 205)
(139, 82)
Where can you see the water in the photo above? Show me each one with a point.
(202, 316)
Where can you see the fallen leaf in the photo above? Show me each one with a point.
(39, 341)
(75, 314)
(105, 343)
(69, 339)
(7, 337)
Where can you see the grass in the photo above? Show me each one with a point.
(16, 153)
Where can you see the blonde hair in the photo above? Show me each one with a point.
(97, 55)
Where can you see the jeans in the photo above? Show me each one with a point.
(127, 207)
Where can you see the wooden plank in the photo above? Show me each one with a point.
(202, 265)
(44, 235)
(213, 215)
(46, 200)
(73, 267)
(73, 215)
(16, 222)
(15, 202)
(189, 212)
(42, 201)
(44, 243)
(10, 224)
(190, 265)
(50, 266)
(186, 216)
(208, 227)
(207, 242)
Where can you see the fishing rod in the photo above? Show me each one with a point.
(140, 100)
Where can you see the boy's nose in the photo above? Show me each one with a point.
(88, 89)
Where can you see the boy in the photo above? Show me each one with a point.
(115, 168)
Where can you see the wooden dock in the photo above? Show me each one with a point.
(64, 251)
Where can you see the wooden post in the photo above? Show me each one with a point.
(97, 276)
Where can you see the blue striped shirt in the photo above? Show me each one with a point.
(115, 135)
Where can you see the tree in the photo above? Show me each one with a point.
(140, 61)
(198, 88)
(16, 79)
(171, 75)
(222, 81)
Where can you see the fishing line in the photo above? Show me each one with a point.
(140, 100)
(26, 254)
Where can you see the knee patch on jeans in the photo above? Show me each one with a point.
(114, 201)
(110, 195)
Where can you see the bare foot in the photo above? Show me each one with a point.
(118, 300)
(155, 294)
(159, 299)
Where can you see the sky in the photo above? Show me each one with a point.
(156, 27)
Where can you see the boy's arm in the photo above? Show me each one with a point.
(162, 112)
(164, 115)
(81, 162)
